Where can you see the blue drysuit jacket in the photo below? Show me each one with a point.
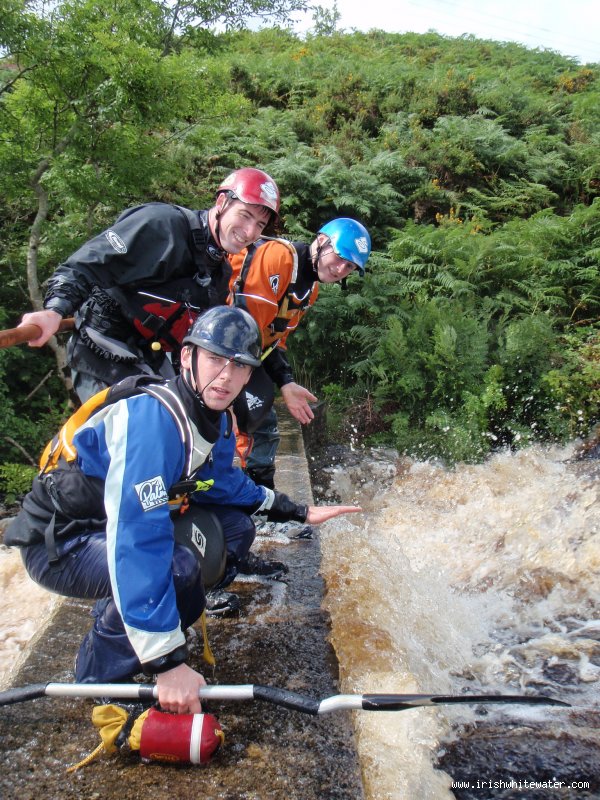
(135, 447)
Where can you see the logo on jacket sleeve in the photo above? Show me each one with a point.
(116, 242)
(274, 281)
(152, 493)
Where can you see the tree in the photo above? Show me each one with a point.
(92, 96)
(473, 164)
(95, 100)
(326, 20)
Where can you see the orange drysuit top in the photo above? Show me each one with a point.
(278, 288)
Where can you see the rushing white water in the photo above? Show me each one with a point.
(24, 610)
(479, 579)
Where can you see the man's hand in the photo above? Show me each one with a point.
(47, 321)
(297, 399)
(178, 690)
(318, 514)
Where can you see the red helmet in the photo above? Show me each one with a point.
(252, 186)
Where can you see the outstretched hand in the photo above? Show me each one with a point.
(297, 399)
(318, 514)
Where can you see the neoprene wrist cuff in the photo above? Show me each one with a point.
(58, 304)
(285, 379)
(283, 509)
(300, 514)
(165, 663)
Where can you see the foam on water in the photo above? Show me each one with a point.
(479, 579)
(24, 610)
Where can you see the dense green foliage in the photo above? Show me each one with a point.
(475, 165)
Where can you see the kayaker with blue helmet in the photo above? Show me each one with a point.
(277, 282)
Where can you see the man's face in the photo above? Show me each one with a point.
(240, 224)
(330, 267)
(220, 380)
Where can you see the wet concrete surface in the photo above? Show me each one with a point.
(280, 639)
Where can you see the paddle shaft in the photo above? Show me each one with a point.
(25, 333)
(270, 694)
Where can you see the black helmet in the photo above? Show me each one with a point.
(229, 332)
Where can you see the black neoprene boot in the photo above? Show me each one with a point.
(253, 565)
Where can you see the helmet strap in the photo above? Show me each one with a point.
(315, 255)
(190, 375)
(318, 250)
(218, 213)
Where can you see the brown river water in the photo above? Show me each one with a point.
(476, 580)
(481, 579)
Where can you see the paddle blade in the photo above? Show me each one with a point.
(399, 702)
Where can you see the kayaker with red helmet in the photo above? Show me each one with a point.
(136, 288)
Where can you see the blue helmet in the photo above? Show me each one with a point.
(350, 240)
